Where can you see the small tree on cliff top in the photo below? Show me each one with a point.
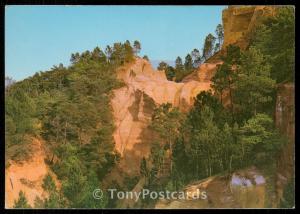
(136, 47)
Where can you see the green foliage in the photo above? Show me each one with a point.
(55, 198)
(144, 171)
(181, 70)
(245, 78)
(216, 138)
(20, 121)
(226, 76)
(166, 121)
(22, 201)
(275, 38)
(8, 82)
(288, 200)
(220, 36)
(254, 86)
(260, 139)
(131, 182)
(38, 203)
(188, 63)
(170, 73)
(162, 66)
(206, 98)
(204, 143)
(48, 183)
(137, 47)
(179, 64)
(156, 159)
(180, 157)
(146, 57)
(211, 140)
(208, 48)
(70, 108)
(20, 110)
(196, 58)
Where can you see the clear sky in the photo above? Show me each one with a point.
(38, 37)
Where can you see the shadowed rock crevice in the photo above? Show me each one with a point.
(134, 108)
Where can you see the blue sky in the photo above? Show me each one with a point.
(38, 37)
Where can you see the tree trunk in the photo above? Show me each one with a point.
(52, 159)
(65, 140)
(197, 164)
(79, 135)
(209, 164)
(255, 107)
(231, 101)
(221, 94)
(230, 162)
(171, 155)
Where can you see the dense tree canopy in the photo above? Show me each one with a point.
(233, 127)
(275, 38)
(69, 107)
(226, 129)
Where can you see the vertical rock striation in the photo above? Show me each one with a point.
(133, 105)
(285, 122)
(239, 21)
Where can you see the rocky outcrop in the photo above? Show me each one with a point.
(133, 105)
(243, 189)
(249, 188)
(285, 122)
(27, 176)
(239, 22)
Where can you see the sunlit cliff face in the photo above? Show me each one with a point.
(239, 21)
(134, 103)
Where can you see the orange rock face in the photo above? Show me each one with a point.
(27, 177)
(239, 21)
(134, 103)
(243, 189)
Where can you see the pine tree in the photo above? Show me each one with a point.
(220, 36)
(166, 120)
(146, 57)
(196, 57)
(143, 168)
(162, 66)
(188, 63)
(254, 86)
(22, 201)
(208, 46)
(137, 47)
(178, 64)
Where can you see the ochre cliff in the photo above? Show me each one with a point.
(242, 189)
(27, 176)
(239, 21)
(146, 88)
(133, 104)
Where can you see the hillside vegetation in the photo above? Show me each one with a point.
(69, 107)
(229, 128)
(232, 128)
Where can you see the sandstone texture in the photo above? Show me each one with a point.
(239, 22)
(133, 105)
(243, 189)
(285, 122)
(27, 176)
